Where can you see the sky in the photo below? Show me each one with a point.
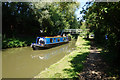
(82, 3)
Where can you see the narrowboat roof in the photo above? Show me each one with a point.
(53, 36)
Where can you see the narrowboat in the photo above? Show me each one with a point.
(49, 41)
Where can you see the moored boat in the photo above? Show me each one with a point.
(49, 41)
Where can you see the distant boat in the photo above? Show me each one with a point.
(49, 41)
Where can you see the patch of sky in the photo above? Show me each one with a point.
(19, 11)
(8, 5)
(9, 1)
(20, 8)
(30, 4)
(77, 12)
(27, 9)
(16, 6)
(5, 3)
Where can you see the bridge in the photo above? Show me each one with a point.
(71, 31)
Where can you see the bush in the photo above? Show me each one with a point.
(12, 42)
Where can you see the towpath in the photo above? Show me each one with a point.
(94, 67)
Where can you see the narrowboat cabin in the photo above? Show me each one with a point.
(46, 42)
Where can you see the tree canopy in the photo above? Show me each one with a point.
(102, 18)
(28, 18)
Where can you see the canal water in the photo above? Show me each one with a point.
(26, 63)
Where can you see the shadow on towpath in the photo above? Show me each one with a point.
(94, 67)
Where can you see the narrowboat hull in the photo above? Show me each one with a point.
(37, 46)
(48, 42)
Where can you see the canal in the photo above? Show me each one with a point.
(26, 63)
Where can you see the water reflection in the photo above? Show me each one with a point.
(65, 49)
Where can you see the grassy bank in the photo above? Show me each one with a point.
(70, 65)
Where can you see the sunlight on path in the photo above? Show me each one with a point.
(94, 67)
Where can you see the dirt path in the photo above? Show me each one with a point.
(94, 67)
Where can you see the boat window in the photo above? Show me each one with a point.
(38, 40)
(51, 40)
(54, 40)
(58, 40)
(42, 42)
(64, 38)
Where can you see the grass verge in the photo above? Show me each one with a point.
(70, 65)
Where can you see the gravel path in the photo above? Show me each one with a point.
(94, 67)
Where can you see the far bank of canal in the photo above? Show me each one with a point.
(27, 63)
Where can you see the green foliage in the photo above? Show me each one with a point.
(56, 16)
(28, 18)
(12, 42)
(103, 19)
(84, 29)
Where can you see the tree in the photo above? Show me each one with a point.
(103, 19)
